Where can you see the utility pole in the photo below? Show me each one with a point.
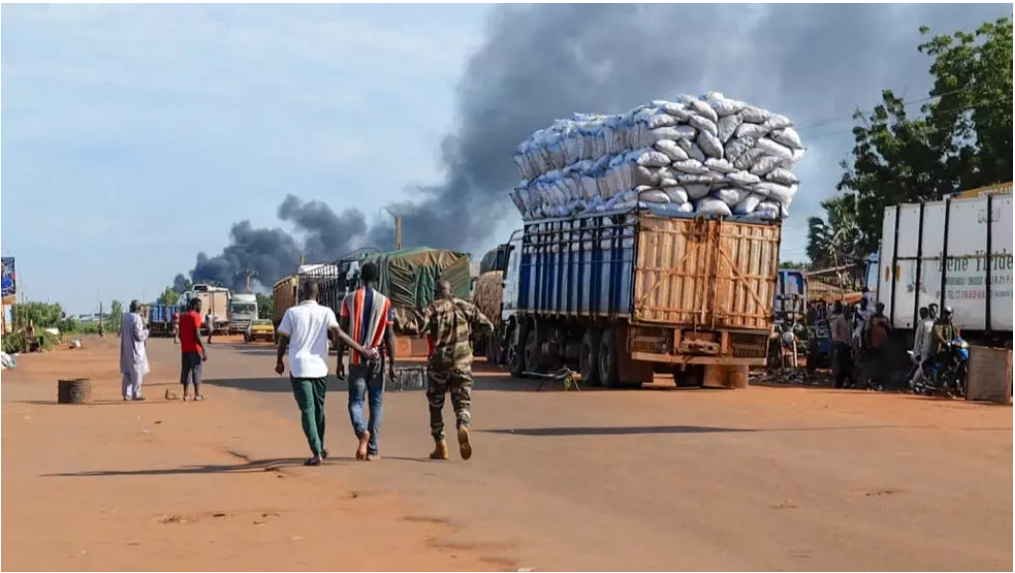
(250, 275)
(398, 233)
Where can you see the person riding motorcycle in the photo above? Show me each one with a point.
(942, 335)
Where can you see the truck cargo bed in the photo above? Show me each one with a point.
(648, 269)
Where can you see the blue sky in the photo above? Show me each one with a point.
(133, 136)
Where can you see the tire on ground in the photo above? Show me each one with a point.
(609, 375)
(588, 360)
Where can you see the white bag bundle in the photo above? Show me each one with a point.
(748, 204)
(727, 127)
(676, 194)
(710, 144)
(730, 195)
(671, 149)
(682, 154)
(712, 206)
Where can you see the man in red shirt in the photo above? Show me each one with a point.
(192, 351)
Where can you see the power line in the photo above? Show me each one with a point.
(833, 120)
(850, 130)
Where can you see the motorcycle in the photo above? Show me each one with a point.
(946, 374)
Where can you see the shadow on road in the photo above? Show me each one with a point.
(615, 430)
(268, 465)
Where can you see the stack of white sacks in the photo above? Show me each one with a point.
(709, 155)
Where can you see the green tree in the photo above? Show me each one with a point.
(960, 139)
(168, 296)
(115, 315)
(265, 306)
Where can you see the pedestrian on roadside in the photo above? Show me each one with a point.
(304, 332)
(133, 353)
(209, 321)
(842, 334)
(192, 353)
(922, 343)
(369, 317)
(449, 322)
(877, 331)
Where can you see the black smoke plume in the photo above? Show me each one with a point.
(811, 62)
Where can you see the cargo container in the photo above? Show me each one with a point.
(626, 295)
(283, 296)
(956, 252)
(408, 277)
(214, 301)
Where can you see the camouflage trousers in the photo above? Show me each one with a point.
(458, 382)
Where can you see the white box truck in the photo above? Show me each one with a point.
(956, 252)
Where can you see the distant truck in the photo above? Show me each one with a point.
(242, 312)
(624, 295)
(408, 277)
(214, 300)
(283, 296)
(956, 252)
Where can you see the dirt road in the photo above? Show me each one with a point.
(659, 479)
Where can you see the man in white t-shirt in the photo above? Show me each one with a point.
(304, 331)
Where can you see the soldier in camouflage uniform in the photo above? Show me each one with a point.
(449, 321)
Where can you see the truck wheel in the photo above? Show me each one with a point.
(515, 355)
(530, 351)
(608, 375)
(693, 376)
(246, 338)
(588, 360)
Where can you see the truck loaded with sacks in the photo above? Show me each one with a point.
(650, 243)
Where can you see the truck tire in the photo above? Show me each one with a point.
(588, 360)
(515, 355)
(693, 376)
(609, 376)
(530, 351)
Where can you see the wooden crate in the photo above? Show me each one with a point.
(706, 273)
(990, 375)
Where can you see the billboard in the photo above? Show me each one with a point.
(9, 281)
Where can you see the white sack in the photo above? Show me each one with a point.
(730, 195)
(652, 158)
(788, 137)
(727, 126)
(770, 147)
(752, 114)
(743, 178)
(703, 124)
(752, 155)
(781, 193)
(690, 166)
(678, 110)
(768, 210)
(697, 190)
(653, 196)
(782, 176)
(719, 165)
(712, 206)
(725, 107)
(751, 130)
(710, 144)
(765, 165)
(671, 149)
(703, 109)
(776, 121)
(748, 204)
(737, 146)
(693, 151)
(677, 133)
(676, 194)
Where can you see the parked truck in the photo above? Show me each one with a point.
(242, 312)
(623, 296)
(956, 252)
(408, 277)
(214, 301)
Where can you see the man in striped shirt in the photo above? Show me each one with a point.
(368, 317)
